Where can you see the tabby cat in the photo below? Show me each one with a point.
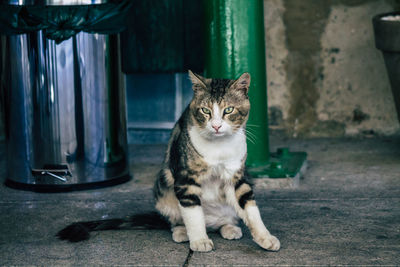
(202, 183)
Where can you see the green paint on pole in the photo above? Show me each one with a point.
(234, 43)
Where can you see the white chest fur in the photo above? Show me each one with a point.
(224, 155)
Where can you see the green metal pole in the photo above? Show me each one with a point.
(234, 43)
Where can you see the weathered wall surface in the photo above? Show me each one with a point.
(325, 76)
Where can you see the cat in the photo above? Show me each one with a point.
(202, 184)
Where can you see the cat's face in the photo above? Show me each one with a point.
(220, 107)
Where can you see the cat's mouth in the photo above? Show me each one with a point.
(219, 133)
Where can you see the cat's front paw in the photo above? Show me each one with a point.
(268, 242)
(230, 232)
(202, 245)
(179, 234)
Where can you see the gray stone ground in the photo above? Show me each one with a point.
(345, 212)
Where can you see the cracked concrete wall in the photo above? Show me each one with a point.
(325, 76)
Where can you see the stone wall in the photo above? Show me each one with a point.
(325, 76)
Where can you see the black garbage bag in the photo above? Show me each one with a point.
(61, 22)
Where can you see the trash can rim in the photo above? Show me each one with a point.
(54, 2)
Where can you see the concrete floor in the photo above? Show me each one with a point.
(345, 212)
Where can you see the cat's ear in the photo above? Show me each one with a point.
(242, 83)
(199, 82)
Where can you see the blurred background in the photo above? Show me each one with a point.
(325, 78)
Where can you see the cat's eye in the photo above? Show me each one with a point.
(228, 110)
(206, 111)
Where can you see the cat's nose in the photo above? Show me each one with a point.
(216, 127)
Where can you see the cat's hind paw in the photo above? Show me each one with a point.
(202, 245)
(230, 232)
(268, 242)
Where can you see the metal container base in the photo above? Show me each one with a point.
(52, 188)
(66, 126)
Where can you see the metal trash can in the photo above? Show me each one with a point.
(65, 107)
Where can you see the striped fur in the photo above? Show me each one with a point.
(202, 184)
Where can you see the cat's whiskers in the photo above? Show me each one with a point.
(252, 125)
(205, 133)
(250, 140)
(251, 136)
(248, 135)
(249, 130)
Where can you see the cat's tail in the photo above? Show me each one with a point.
(80, 231)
